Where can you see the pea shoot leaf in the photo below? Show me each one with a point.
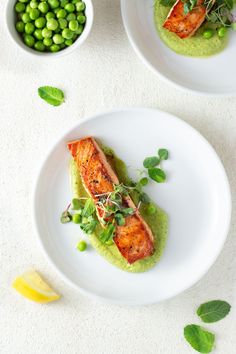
(89, 227)
(51, 95)
(163, 154)
(151, 161)
(213, 311)
(157, 174)
(200, 339)
(65, 217)
(89, 208)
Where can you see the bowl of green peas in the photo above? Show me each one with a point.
(49, 27)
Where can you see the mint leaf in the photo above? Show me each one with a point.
(200, 339)
(213, 311)
(157, 174)
(51, 95)
(89, 208)
(151, 161)
(163, 154)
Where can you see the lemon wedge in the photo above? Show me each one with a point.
(33, 287)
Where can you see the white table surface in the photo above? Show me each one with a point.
(104, 73)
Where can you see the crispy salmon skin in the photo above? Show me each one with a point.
(134, 239)
(185, 25)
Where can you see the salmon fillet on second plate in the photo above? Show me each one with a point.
(185, 25)
(135, 239)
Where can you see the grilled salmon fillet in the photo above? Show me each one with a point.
(135, 239)
(185, 25)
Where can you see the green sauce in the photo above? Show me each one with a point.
(158, 222)
(195, 46)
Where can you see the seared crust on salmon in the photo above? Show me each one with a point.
(185, 25)
(135, 239)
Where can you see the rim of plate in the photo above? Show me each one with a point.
(155, 70)
(98, 116)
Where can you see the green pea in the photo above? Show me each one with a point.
(62, 23)
(28, 9)
(34, 14)
(20, 26)
(80, 29)
(39, 46)
(40, 22)
(81, 246)
(222, 32)
(54, 48)
(47, 42)
(64, 2)
(43, 7)
(29, 28)
(58, 39)
(70, 7)
(75, 1)
(207, 34)
(233, 26)
(81, 19)
(38, 34)
(76, 218)
(52, 24)
(19, 7)
(26, 18)
(23, 1)
(34, 4)
(80, 6)
(151, 209)
(73, 25)
(71, 17)
(54, 4)
(50, 15)
(61, 13)
(67, 33)
(68, 42)
(46, 33)
(29, 40)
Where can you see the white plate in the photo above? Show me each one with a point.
(196, 198)
(212, 76)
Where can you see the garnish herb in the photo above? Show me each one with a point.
(108, 233)
(51, 95)
(88, 226)
(153, 165)
(65, 217)
(199, 338)
(213, 311)
(89, 208)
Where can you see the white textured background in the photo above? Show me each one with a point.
(103, 74)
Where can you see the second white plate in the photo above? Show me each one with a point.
(196, 198)
(210, 76)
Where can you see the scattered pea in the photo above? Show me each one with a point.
(207, 34)
(81, 246)
(76, 218)
(222, 32)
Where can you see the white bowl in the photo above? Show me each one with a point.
(16, 37)
(196, 198)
